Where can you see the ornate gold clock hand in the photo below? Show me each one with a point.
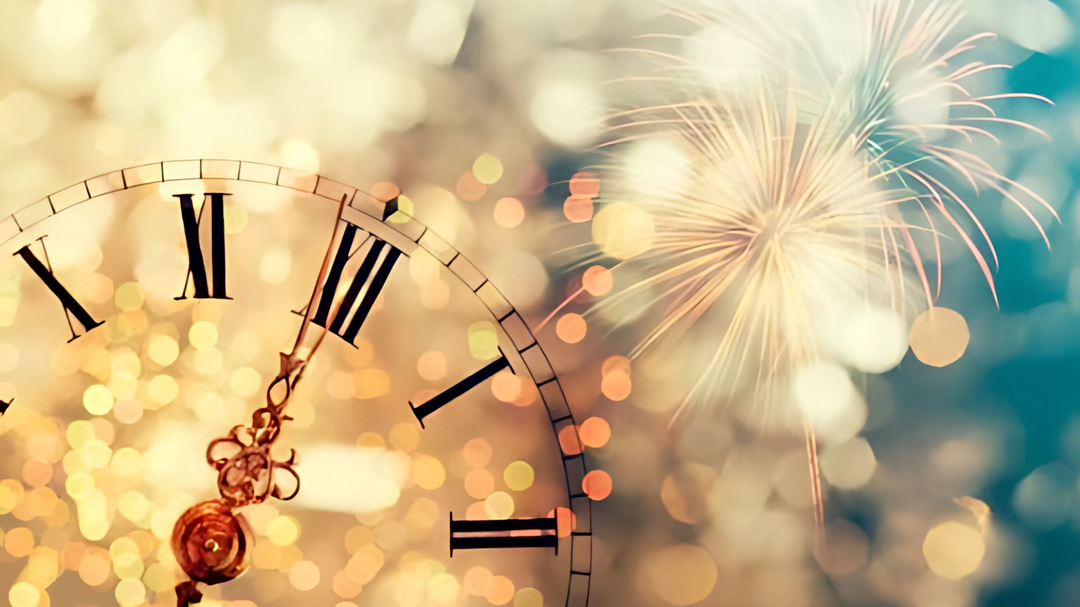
(210, 540)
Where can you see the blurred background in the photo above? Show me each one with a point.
(961, 489)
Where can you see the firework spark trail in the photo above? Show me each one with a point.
(779, 214)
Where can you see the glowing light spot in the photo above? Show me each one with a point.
(578, 209)
(23, 594)
(500, 590)
(506, 386)
(371, 439)
(80, 485)
(163, 389)
(371, 383)
(939, 337)
(385, 191)
(163, 350)
(283, 530)
(357, 538)
(479, 483)
(8, 499)
(477, 453)
(245, 382)
(584, 183)
(953, 550)
(849, 465)
(304, 575)
(159, 578)
(681, 575)
(95, 453)
(487, 169)
(128, 566)
(528, 597)
(423, 514)
(344, 586)
(469, 188)
(509, 212)
(623, 230)
(594, 432)
(872, 339)
(19, 542)
(568, 440)
(404, 437)
(499, 505)
(93, 516)
(825, 394)
(79, 432)
(365, 564)
(519, 476)
(37, 473)
(483, 340)
(616, 385)
(685, 492)
(477, 581)
(431, 365)
(129, 296)
(94, 569)
(598, 281)
(597, 485)
(64, 21)
(847, 550)
(571, 328)
(615, 363)
(298, 154)
(127, 462)
(98, 400)
(475, 512)
(428, 472)
(134, 507)
(565, 521)
(203, 335)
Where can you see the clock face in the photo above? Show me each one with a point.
(142, 315)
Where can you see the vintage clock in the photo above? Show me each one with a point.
(151, 312)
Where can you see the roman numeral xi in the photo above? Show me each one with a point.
(197, 275)
(72, 308)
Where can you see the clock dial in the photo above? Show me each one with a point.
(145, 310)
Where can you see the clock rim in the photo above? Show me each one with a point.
(365, 211)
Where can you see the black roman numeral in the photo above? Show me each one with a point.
(72, 308)
(439, 400)
(472, 535)
(375, 266)
(196, 264)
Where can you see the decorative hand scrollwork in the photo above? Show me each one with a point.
(211, 540)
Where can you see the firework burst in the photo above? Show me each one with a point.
(779, 205)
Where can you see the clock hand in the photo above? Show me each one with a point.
(209, 540)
